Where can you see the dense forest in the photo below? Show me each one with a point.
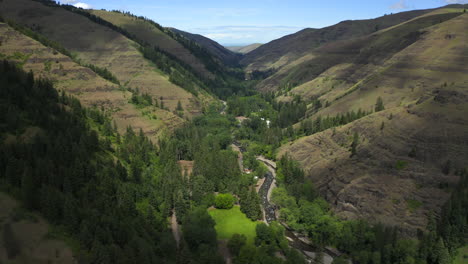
(117, 196)
(112, 193)
(269, 123)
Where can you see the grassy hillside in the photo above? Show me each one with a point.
(97, 44)
(433, 60)
(224, 54)
(407, 155)
(154, 36)
(285, 50)
(365, 53)
(245, 49)
(82, 82)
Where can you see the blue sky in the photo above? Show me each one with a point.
(251, 21)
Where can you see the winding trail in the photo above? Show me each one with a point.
(175, 228)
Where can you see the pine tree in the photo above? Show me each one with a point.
(254, 209)
(379, 105)
(441, 252)
(179, 106)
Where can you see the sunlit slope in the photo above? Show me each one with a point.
(151, 34)
(91, 89)
(245, 49)
(356, 58)
(437, 59)
(101, 46)
(285, 50)
(399, 173)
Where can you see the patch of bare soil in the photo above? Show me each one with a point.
(186, 166)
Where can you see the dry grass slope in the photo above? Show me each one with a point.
(425, 90)
(283, 51)
(149, 33)
(99, 45)
(91, 89)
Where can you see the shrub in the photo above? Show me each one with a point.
(224, 201)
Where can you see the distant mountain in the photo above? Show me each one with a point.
(244, 49)
(224, 54)
(285, 50)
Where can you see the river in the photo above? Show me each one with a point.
(270, 210)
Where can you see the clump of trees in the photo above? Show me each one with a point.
(141, 100)
(200, 237)
(103, 72)
(235, 243)
(250, 204)
(379, 105)
(310, 127)
(269, 240)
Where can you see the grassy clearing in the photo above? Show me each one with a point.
(462, 256)
(233, 221)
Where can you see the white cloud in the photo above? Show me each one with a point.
(399, 5)
(75, 3)
(456, 1)
(83, 5)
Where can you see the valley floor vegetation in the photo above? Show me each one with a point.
(81, 163)
(112, 193)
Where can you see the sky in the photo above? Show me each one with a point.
(244, 22)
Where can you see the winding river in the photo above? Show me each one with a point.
(270, 210)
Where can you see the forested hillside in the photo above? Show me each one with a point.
(97, 43)
(122, 141)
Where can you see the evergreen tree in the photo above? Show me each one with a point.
(255, 208)
(442, 253)
(179, 106)
(236, 243)
(379, 105)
